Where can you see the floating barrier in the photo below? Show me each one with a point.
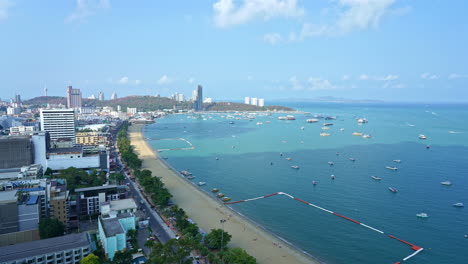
(183, 139)
(416, 249)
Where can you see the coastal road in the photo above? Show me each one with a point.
(161, 230)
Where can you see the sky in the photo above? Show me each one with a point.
(392, 50)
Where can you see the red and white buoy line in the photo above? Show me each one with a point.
(417, 249)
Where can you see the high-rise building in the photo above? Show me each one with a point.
(198, 99)
(60, 123)
(15, 152)
(101, 96)
(261, 102)
(18, 98)
(73, 97)
(253, 101)
(45, 91)
(114, 96)
(246, 100)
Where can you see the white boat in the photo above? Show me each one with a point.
(282, 118)
(332, 176)
(191, 177)
(459, 205)
(324, 134)
(295, 167)
(422, 136)
(422, 215)
(312, 120)
(376, 178)
(288, 158)
(341, 129)
(362, 120)
(366, 136)
(397, 161)
(259, 123)
(352, 159)
(391, 168)
(201, 183)
(302, 128)
(331, 163)
(290, 117)
(446, 183)
(357, 134)
(314, 182)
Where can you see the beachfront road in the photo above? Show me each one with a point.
(160, 229)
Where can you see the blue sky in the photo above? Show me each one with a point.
(394, 50)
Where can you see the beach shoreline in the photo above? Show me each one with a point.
(207, 212)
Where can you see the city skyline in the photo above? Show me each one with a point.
(278, 49)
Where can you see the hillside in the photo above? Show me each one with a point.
(152, 103)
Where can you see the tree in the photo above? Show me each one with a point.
(48, 172)
(238, 256)
(122, 257)
(172, 252)
(213, 239)
(51, 227)
(90, 259)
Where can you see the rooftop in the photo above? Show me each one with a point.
(65, 150)
(43, 246)
(123, 204)
(112, 226)
(95, 188)
(7, 196)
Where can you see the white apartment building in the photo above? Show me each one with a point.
(18, 130)
(247, 100)
(131, 110)
(60, 123)
(261, 102)
(253, 101)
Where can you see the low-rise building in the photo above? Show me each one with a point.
(88, 200)
(69, 249)
(58, 200)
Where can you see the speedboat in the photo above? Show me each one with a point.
(191, 177)
(324, 134)
(226, 199)
(366, 136)
(331, 163)
(428, 147)
(220, 195)
(422, 215)
(215, 190)
(185, 173)
(332, 177)
(362, 120)
(302, 128)
(352, 159)
(391, 168)
(422, 136)
(376, 178)
(357, 134)
(459, 205)
(201, 183)
(314, 182)
(397, 161)
(393, 190)
(295, 167)
(312, 120)
(446, 183)
(288, 158)
(327, 124)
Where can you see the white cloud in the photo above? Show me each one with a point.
(86, 8)
(387, 78)
(123, 80)
(296, 85)
(4, 6)
(364, 77)
(457, 76)
(429, 76)
(227, 13)
(320, 84)
(352, 15)
(137, 82)
(191, 80)
(345, 77)
(164, 80)
(272, 38)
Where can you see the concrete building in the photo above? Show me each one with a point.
(261, 102)
(15, 152)
(131, 110)
(73, 97)
(246, 100)
(101, 96)
(13, 110)
(114, 96)
(59, 123)
(198, 99)
(253, 101)
(21, 130)
(8, 212)
(58, 196)
(91, 138)
(69, 249)
(88, 200)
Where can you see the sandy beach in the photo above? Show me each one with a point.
(207, 212)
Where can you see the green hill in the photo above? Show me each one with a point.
(152, 103)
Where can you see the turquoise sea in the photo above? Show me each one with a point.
(243, 160)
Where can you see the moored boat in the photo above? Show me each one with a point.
(331, 163)
(391, 168)
(226, 199)
(201, 183)
(393, 190)
(185, 173)
(357, 134)
(376, 178)
(397, 161)
(422, 136)
(295, 167)
(190, 177)
(220, 195)
(324, 134)
(312, 120)
(422, 215)
(352, 159)
(215, 190)
(458, 205)
(446, 183)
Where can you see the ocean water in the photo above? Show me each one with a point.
(243, 160)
